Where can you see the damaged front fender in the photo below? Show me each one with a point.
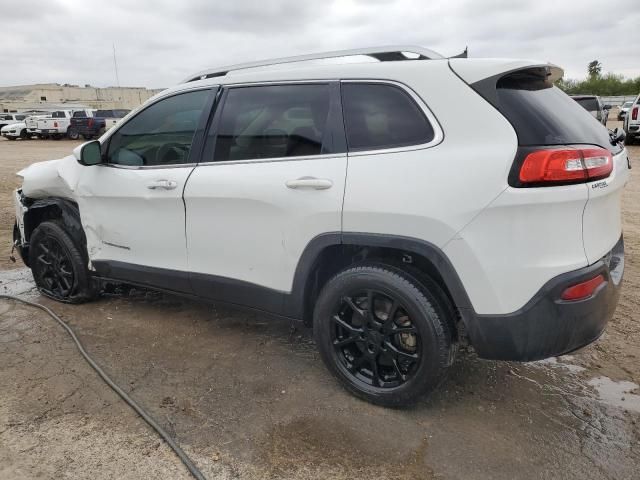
(53, 178)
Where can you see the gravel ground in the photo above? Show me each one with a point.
(248, 397)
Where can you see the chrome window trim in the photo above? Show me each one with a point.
(322, 156)
(147, 167)
(437, 128)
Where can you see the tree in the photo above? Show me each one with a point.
(595, 68)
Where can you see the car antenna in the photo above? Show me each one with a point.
(464, 54)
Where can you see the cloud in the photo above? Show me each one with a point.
(158, 43)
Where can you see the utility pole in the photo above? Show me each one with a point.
(115, 65)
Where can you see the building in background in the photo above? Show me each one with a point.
(47, 95)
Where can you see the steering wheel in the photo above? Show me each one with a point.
(170, 153)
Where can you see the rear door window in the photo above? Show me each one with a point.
(274, 121)
(379, 115)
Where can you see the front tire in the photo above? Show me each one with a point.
(58, 265)
(386, 336)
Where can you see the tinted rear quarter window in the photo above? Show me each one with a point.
(541, 113)
(380, 116)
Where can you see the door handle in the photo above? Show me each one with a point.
(310, 182)
(162, 184)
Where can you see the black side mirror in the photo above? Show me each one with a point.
(90, 154)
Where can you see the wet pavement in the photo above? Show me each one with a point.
(248, 397)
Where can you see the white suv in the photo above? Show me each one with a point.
(354, 197)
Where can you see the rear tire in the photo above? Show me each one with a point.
(24, 135)
(72, 133)
(386, 336)
(59, 268)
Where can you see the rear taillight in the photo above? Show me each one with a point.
(55, 124)
(90, 122)
(634, 113)
(582, 290)
(565, 165)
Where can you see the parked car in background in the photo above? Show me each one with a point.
(58, 125)
(624, 108)
(102, 120)
(593, 105)
(32, 123)
(632, 122)
(9, 118)
(14, 131)
(515, 244)
(72, 132)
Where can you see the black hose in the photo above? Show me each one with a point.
(139, 410)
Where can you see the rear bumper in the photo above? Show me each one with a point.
(82, 130)
(548, 326)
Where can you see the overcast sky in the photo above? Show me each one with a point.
(158, 43)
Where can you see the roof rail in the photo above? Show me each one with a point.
(384, 54)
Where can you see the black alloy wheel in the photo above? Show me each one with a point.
(374, 339)
(54, 268)
(58, 265)
(388, 337)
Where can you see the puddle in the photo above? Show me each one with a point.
(559, 362)
(617, 394)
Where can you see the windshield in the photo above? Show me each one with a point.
(627, 104)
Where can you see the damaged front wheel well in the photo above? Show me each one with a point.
(64, 211)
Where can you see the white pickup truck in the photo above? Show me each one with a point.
(632, 122)
(32, 123)
(57, 126)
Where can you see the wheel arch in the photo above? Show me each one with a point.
(61, 209)
(330, 253)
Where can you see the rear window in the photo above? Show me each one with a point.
(57, 115)
(382, 116)
(104, 113)
(79, 114)
(541, 113)
(589, 104)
